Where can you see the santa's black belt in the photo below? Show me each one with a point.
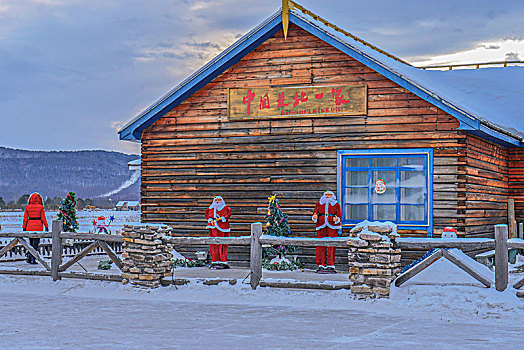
(35, 218)
(327, 214)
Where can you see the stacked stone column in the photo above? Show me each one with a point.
(374, 260)
(146, 258)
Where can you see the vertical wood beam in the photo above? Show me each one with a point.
(56, 248)
(512, 227)
(501, 257)
(256, 255)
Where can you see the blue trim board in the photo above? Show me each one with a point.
(427, 153)
(266, 30)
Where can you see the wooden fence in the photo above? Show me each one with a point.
(501, 244)
(58, 268)
(256, 240)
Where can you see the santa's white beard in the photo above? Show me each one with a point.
(217, 205)
(331, 200)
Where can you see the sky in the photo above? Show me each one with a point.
(72, 73)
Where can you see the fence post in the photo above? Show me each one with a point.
(521, 230)
(501, 257)
(56, 248)
(256, 254)
(511, 219)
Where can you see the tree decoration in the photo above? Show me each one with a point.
(276, 225)
(67, 213)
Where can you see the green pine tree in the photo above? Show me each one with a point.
(277, 225)
(67, 213)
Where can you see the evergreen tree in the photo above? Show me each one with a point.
(22, 201)
(2, 203)
(67, 213)
(277, 225)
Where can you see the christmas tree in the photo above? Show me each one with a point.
(277, 225)
(67, 213)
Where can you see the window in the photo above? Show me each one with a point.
(386, 185)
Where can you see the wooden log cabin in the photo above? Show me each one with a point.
(424, 149)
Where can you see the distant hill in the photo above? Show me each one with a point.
(88, 173)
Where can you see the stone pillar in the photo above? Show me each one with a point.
(374, 259)
(146, 258)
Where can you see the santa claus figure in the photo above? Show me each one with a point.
(327, 216)
(217, 216)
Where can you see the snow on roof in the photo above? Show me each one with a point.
(128, 203)
(493, 95)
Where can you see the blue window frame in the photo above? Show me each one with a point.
(387, 185)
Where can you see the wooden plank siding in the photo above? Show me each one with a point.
(516, 180)
(486, 186)
(194, 152)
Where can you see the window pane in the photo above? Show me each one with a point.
(412, 179)
(415, 163)
(356, 178)
(388, 176)
(357, 162)
(412, 212)
(356, 195)
(356, 212)
(390, 196)
(384, 162)
(412, 195)
(384, 212)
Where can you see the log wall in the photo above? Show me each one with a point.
(486, 186)
(516, 180)
(194, 152)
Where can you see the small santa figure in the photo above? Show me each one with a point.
(217, 216)
(327, 216)
(449, 232)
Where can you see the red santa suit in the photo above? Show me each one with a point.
(220, 213)
(326, 210)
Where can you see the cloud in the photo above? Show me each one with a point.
(512, 56)
(501, 50)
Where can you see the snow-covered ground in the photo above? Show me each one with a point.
(12, 221)
(441, 308)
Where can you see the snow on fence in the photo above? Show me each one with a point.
(146, 243)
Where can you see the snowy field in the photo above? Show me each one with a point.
(441, 308)
(12, 221)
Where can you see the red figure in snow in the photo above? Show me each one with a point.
(34, 220)
(217, 216)
(327, 216)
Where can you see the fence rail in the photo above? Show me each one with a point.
(459, 243)
(243, 240)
